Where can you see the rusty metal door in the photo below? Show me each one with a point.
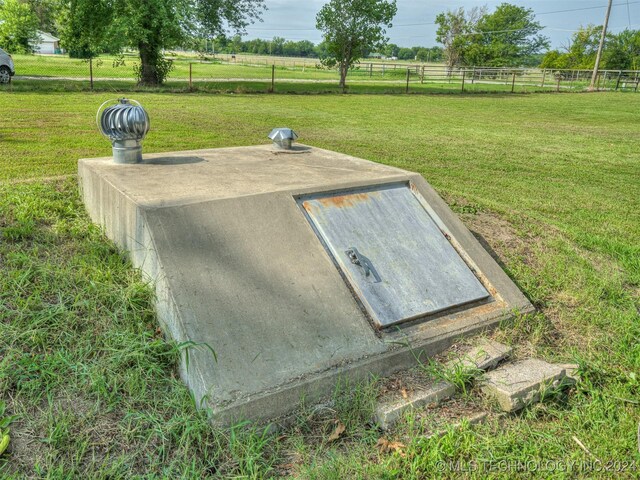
(392, 253)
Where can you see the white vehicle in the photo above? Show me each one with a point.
(7, 69)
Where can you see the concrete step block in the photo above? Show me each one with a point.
(521, 383)
(387, 414)
(485, 355)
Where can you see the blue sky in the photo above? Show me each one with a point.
(295, 19)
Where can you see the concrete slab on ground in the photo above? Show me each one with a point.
(239, 269)
(519, 384)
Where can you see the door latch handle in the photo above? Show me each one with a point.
(357, 259)
(363, 262)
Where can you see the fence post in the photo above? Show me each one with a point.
(473, 75)
(273, 78)
(544, 76)
(422, 76)
(558, 85)
(190, 77)
(513, 82)
(91, 73)
(618, 81)
(408, 75)
(463, 75)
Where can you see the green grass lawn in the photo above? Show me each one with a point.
(60, 73)
(552, 182)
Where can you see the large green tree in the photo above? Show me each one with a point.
(18, 27)
(454, 30)
(86, 28)
(46, 11)
(581, 52)
(621, 51)
(151, 26)
(351, 29)
(509, 36)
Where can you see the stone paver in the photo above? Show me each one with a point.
(485, 355)
(388, 414)
(518, 384)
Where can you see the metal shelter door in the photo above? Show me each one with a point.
(398, 262)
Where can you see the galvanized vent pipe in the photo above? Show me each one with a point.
(283, 138)
(125, 124)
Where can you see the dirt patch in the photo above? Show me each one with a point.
(499, 237)
(403, 385)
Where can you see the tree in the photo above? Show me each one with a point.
(406, 54)
(423, 55)
(390, 50)
(277, 46)
(18, 27)
(86, 28)
(621, 52)
(152, 26)
(352, 28)
(507, 37)
(46, 11)
(581, 52)
(454, 28)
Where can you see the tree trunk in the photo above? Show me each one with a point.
(149, 60)
(344, 68)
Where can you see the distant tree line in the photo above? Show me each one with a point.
(279, 46)
(622, 51)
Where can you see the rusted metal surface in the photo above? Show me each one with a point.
(417, 270)
(343, 201)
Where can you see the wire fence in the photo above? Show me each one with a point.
(267, 74)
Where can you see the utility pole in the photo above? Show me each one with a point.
(599, 55)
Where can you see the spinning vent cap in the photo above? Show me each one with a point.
(125, 124)
(283, 137)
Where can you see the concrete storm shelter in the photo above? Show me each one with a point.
(297, 267)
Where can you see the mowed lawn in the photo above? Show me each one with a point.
(550, 181)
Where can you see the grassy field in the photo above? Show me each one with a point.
(247, 74)
(551, 182)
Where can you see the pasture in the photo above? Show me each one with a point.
(248, 74)
(550, 182)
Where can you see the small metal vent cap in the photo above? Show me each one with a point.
(283, 137)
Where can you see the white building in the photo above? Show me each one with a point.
(48, 43)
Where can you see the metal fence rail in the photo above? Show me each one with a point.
(270, 74)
